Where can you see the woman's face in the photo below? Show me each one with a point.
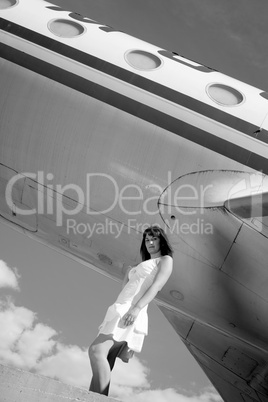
(152, 244)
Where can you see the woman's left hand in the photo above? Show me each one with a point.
(131, 316)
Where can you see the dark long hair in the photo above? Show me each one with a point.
(165, 246)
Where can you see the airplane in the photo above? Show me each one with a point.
(103, 135)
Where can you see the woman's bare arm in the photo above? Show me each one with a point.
(161, 278)
(164, 272)
(125, 280)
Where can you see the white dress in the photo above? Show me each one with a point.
(140, 278)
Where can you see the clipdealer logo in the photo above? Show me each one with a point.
(51, 199)
(131, 199)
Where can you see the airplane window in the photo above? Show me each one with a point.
(142, 60)
(65, 28)
(7, 3)
(224, 95)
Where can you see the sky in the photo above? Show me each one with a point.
(48, 309)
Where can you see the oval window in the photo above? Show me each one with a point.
(65, 28)
(7, 4)
(142, 60)
(224, 95)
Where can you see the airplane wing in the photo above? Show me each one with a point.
(236, 369)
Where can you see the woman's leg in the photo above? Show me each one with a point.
(98, 352)
(101, 367)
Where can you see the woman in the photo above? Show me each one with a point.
(126, 323)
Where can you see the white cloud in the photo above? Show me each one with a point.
(69, 364)
(130, 384)
(34, 343)
(31, 345)
(21, 343)
(129, 378)
(8, 278)
(132, 374)
(169, 395)
(13, 321)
